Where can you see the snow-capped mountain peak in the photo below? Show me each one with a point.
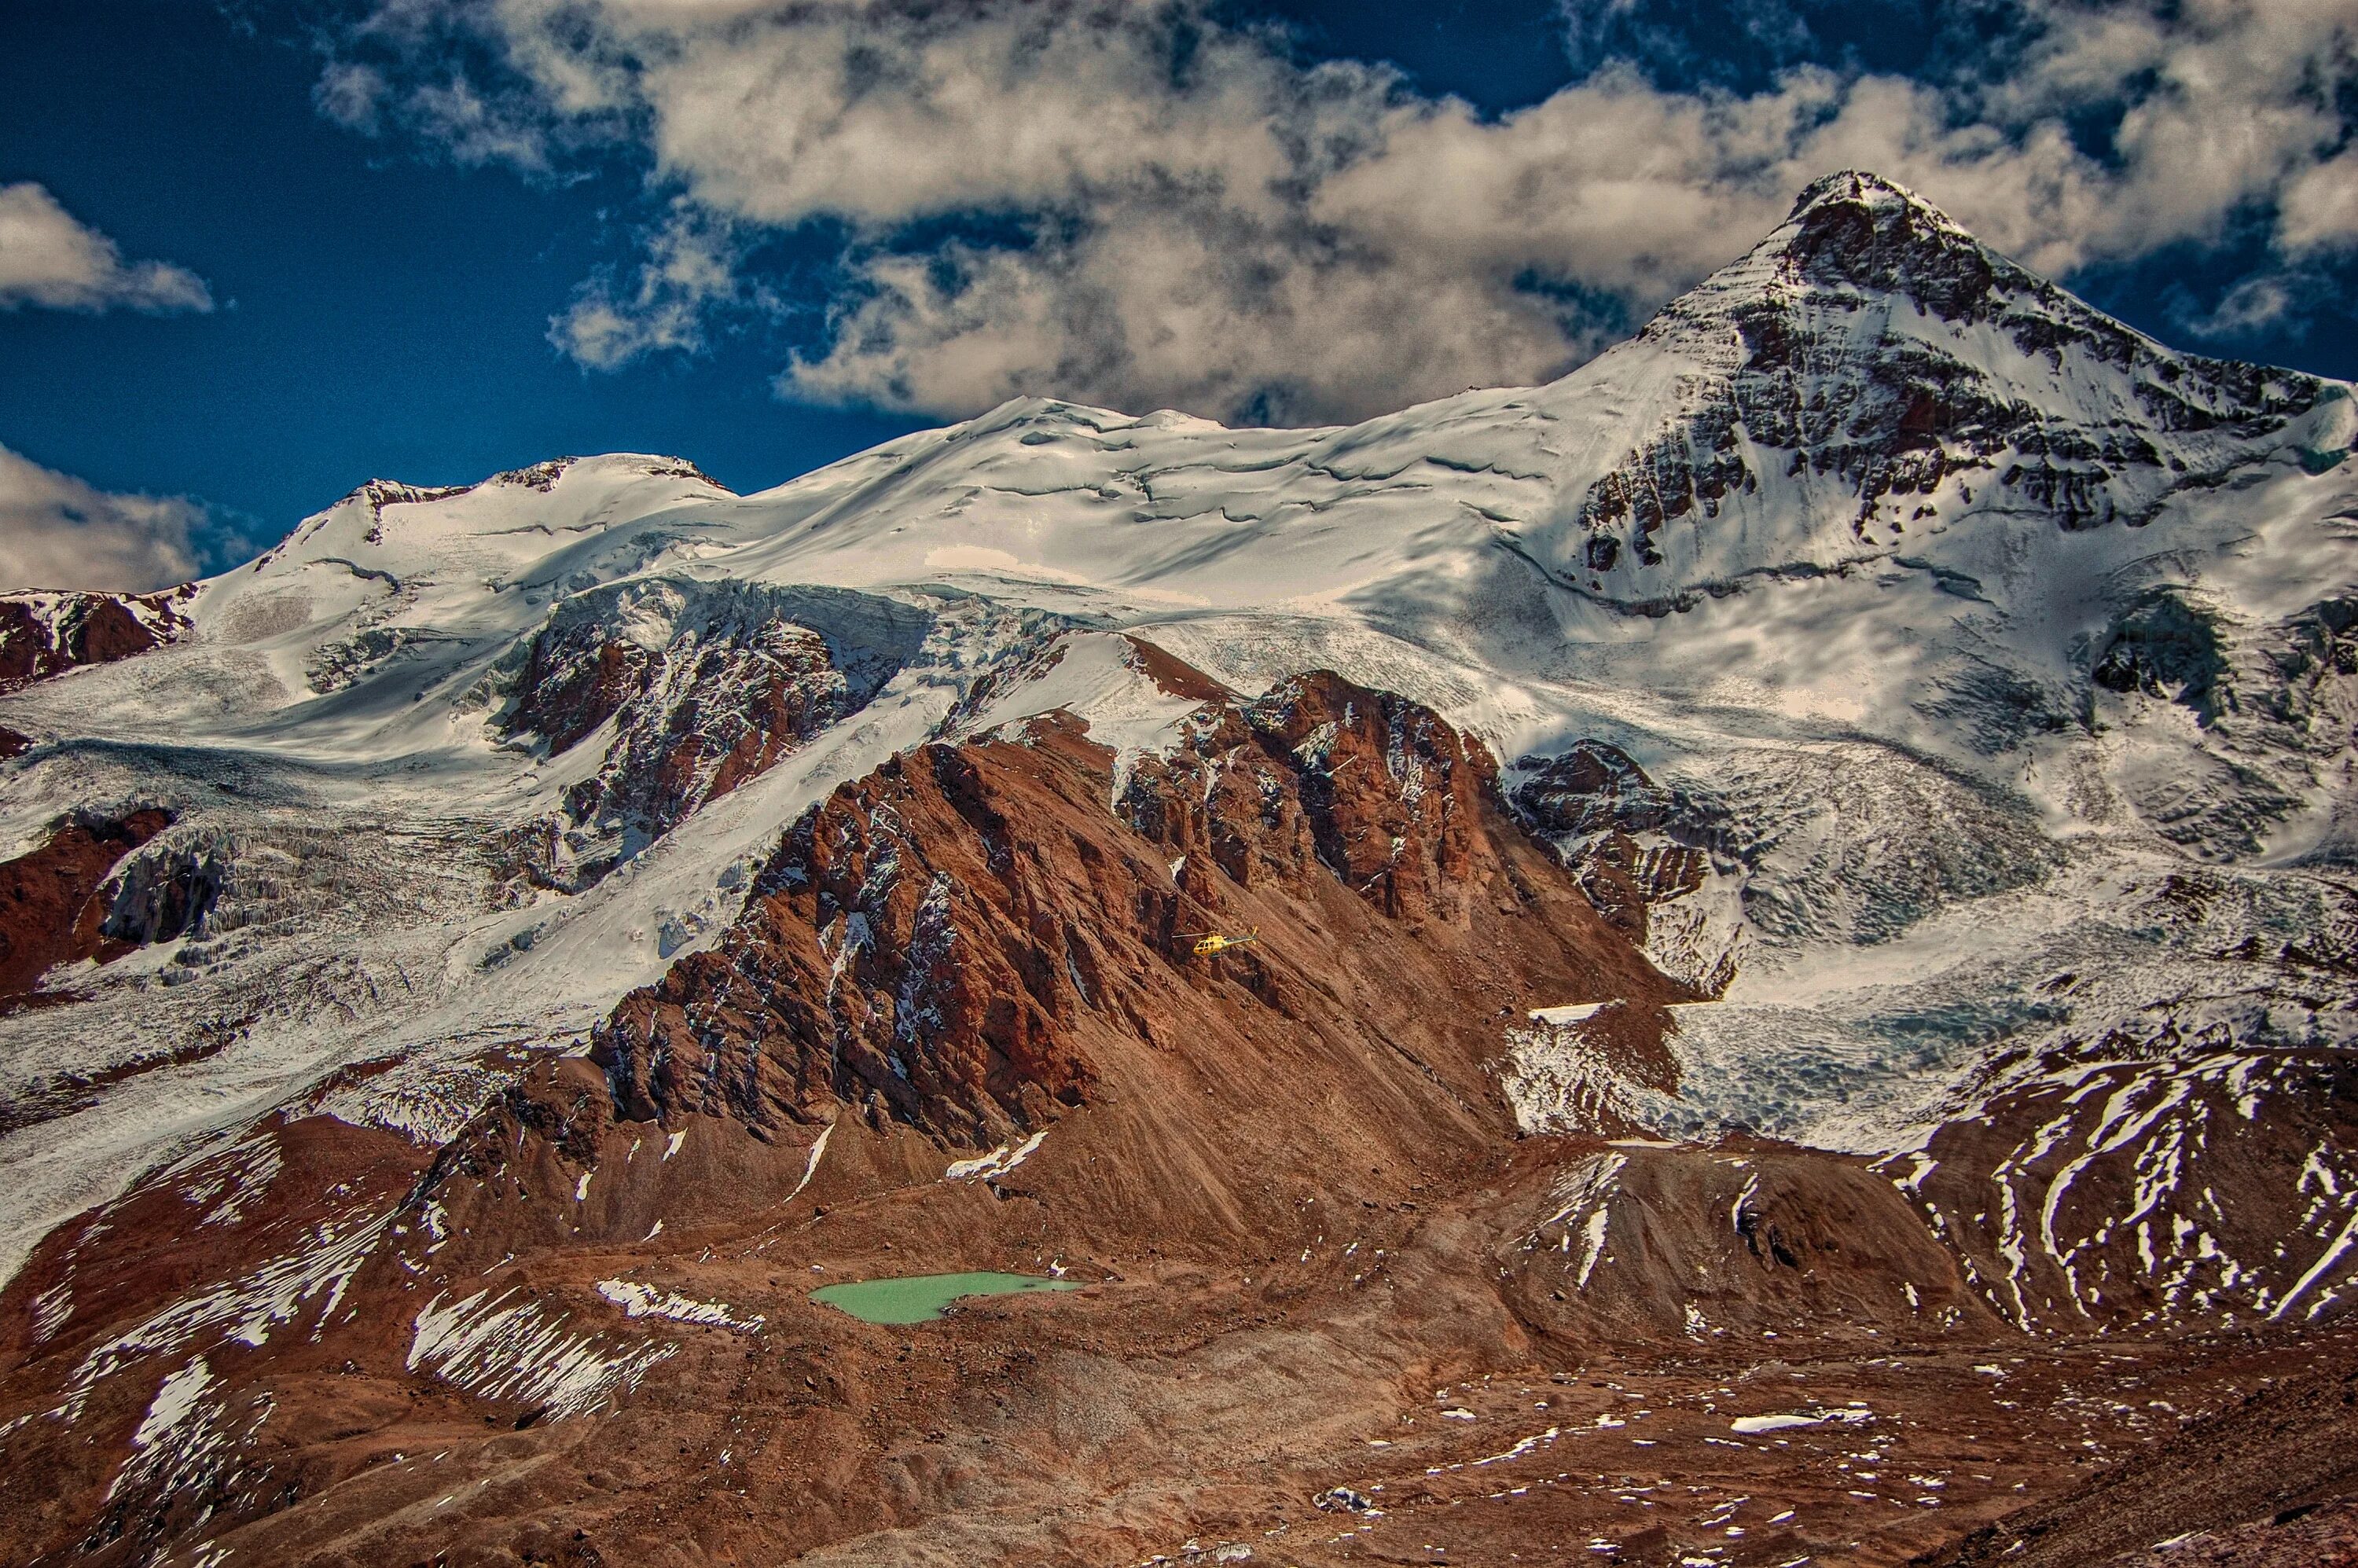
(395, 520)
(1869, 375)
(1859, 229)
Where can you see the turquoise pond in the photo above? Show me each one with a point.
(920, 1298)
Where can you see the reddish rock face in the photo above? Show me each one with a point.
(1374, 789)
(45, 634)
(976, 936)
(566, 696)
(711, 686)
(50, 913)
(738, 710)
(1332, 1306)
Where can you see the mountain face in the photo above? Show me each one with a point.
(921, 945)
(1804, 958)
(1873, 364)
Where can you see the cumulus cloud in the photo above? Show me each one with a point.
(688, 269)
(1143, 204)
(47, 258)
(57, 531)
(2321, 206)
(2223, 103)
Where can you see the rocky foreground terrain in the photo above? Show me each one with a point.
(1803, 1009)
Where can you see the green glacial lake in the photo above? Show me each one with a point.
(920, 1298)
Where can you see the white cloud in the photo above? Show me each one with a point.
(2320, 207)
(2276, 300)
(352, 95)
(47, 258)
(688, 268)
(1183, 213)
(2252, 305)
(56, 531)
(2226, 103)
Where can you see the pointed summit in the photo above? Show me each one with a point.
(1859, 229)
(1872, 368)
(1860, 187)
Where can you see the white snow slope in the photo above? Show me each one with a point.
(1964, 623)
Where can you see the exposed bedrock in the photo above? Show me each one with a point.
(706, 685)
(45, 634)
(977, 940)
(1632, 843)
(51, 911)
(156, 1334)
(1827, 387)
(170, 890)
(960, 1024)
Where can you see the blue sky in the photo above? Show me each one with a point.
(277, 249)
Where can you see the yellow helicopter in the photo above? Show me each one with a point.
(1208, 943)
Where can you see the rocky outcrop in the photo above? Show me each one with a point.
(50, 909)
(379, 493)
(1824, 389)
(968, 940)
(1620, 832)
(170, 891)
(1652, 859)
(2166, 646)
(45, 634)
(960, 1024)
(706, 684)
(1376, 789)
(2274, 702)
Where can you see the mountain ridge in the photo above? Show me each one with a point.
(1895, 896)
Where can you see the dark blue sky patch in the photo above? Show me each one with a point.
(384, 316)
(1496, 54)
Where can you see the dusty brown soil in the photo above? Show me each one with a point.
(2271, 1478)
(1189, 1394)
